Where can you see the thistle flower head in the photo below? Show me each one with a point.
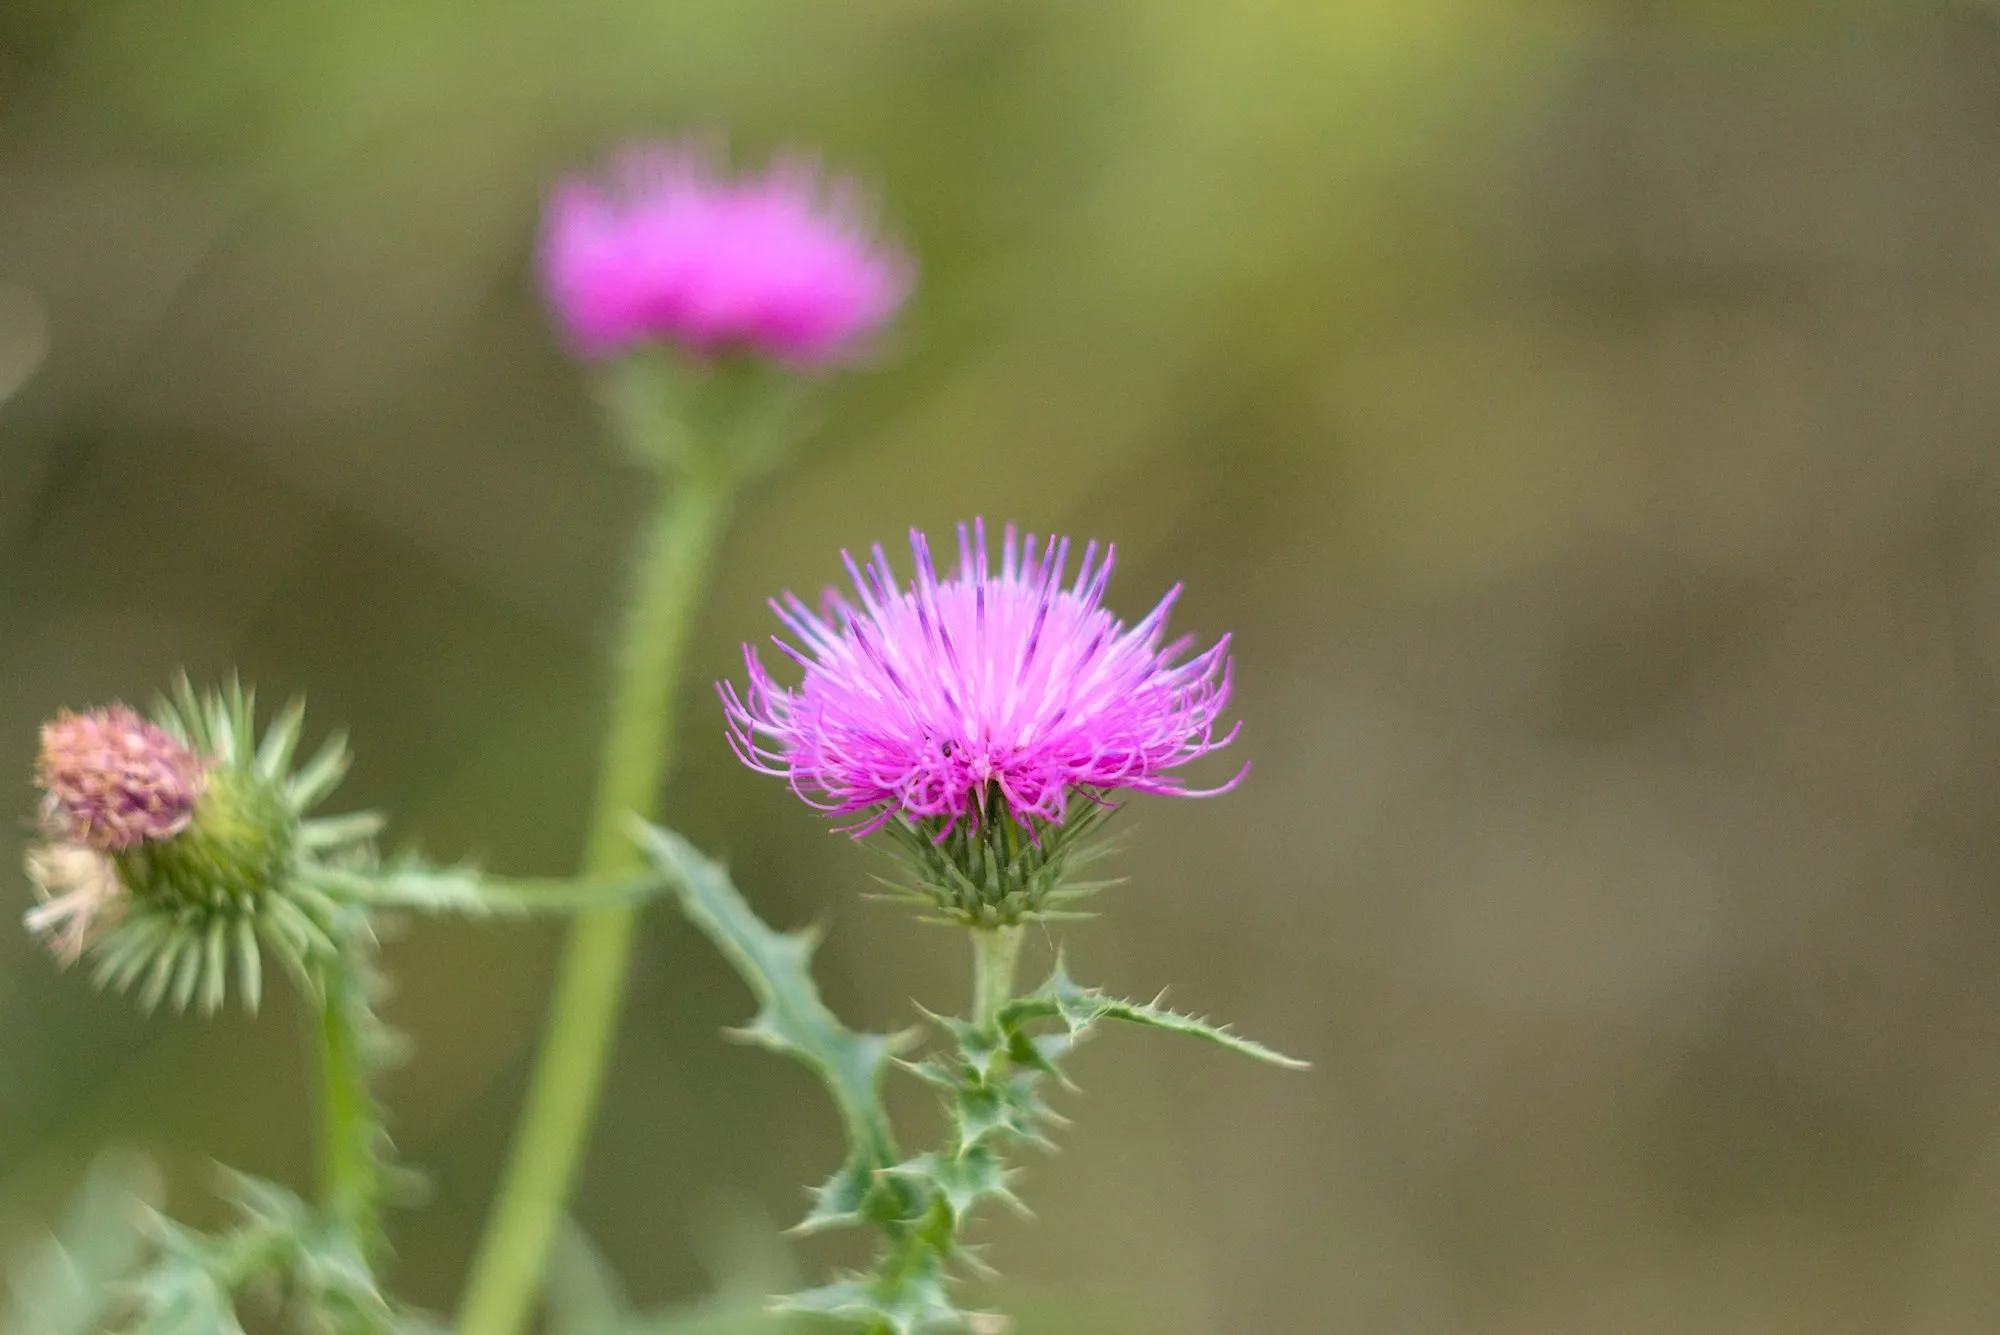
(177, 845)
(663, 248)
(968, 707)
(112, 780)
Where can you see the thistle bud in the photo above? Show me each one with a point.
(234, 850)
(179, 843)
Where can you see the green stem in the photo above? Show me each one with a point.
(917, 1247)
(569, 1070)
(994, 953)
(351, 1135)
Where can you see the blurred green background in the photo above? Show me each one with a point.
(1583, 413)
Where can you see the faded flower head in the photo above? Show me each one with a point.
(664, 248)
(79, 895)
(112, 780)
(177, 845)
(933, 701)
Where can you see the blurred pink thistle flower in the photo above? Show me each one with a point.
(922, 702)
(663, 248)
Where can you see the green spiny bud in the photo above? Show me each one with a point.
(181, 843)
(235, 851)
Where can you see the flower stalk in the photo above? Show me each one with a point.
(708, 290)
(576, 1045)
(351, 1134)
(995, 951)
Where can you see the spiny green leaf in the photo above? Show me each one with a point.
(915, 1305)
(67, 1284)
(1174, 1022)
(265, 1204)
(185, 1301)
(842, 1202)
(791, 1017)
(981, 1048)
(334, 1278)
(1006, 1109)
(1080, 1007)
(963, 1181)
(933, 1072)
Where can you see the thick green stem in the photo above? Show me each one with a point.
(569, 1071)
(350, 1134)
(994, 952)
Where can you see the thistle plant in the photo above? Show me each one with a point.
(714, 305)
(181, 852)
(983, 728)
(986, 723)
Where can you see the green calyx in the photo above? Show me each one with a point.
(245, 876)
(728, 418)
(235, 850)
(993, 873)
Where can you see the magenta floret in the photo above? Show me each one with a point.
(918, 701)
(663, 248)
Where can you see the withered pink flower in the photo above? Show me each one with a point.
(664, 248)
(921, 701)
(112, 779)
(80, 894)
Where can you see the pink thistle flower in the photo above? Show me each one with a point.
(666, 249)
(922, 702)
(114, 780)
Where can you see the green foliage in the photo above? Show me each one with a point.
(314, 1260)
(1078, 1008)
(68, 1285)
(281, 1247)
(793, 1020)
(991, 1076)
(256, 874)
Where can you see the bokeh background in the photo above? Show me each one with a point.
(1582, 413)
